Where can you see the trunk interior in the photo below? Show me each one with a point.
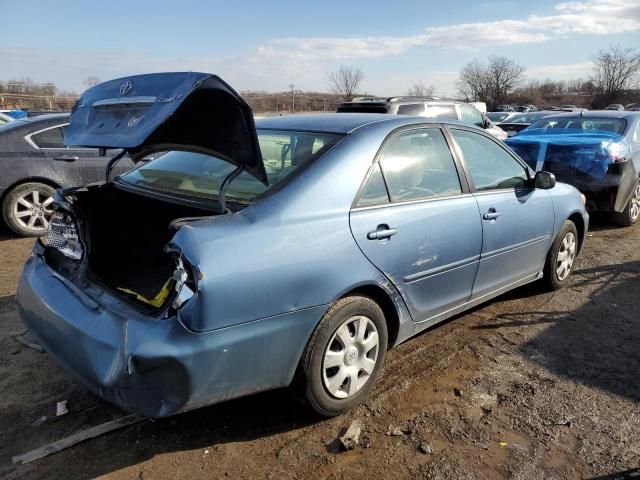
(127, 235)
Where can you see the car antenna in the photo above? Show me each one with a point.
(223, 188)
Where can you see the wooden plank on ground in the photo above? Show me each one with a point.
(76, 438)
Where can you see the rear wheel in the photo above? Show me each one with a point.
(27, 208)
(561, 257)
(344, 356)
(629, 216)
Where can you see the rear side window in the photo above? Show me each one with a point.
(472, 116)
(490, 166)
(375, 192)
(441, 112)
(411, 109)
(418, 165)
(52, 138)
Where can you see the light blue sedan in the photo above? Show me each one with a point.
(239, 257)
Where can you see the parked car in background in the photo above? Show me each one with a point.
(597, 152)
(303, 246)
(504, 108)
(633, 107)
(519, 121)
(499, 117)
(615, 106)
(34, 162)
(4, 118)
(527, 108)
(430, 107)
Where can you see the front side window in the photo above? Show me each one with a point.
(489, 165)
(472, 116)
(199, 175)
(52, 138)
(418, 165)
(411, 109)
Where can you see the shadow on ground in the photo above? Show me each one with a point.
(596, 344)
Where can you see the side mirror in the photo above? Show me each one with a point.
(544, 180)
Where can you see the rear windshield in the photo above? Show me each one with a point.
(199, 175)
(578, 124)
(526, 117)
(363, 108)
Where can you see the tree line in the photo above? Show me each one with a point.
(615, 78)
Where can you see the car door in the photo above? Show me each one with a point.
(76, 166)
(517, 219)
(417, 223)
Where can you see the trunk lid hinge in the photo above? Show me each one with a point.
(223, 188)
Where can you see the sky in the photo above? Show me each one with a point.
(267, 45)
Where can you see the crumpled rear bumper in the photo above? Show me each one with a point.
(154, 366)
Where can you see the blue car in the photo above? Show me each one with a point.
(243, 257)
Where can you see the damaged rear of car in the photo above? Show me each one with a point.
(596, 152)
(116, 293)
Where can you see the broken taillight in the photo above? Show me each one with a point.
(185, 282)
(618, 151)
(62, 235)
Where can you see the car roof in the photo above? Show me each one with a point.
(599, 113)
(31, 123)
(341, 123)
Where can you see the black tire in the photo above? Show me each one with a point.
(40, 214)
(629, 216)
(552, 279)
(313, 385)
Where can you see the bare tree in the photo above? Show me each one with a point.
(419, 89)
(615, 70)
(472, 83)
(504, 75)
(91, 81)
(345, 81)
(491, 83)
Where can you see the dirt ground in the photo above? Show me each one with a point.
(533, 385)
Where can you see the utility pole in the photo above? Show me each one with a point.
(292, 87)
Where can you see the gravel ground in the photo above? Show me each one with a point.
(533, 385)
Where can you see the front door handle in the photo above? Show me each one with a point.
(67, 158)
(381, 232)
(492, 214)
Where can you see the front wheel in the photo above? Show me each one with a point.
(629, 216)
(561, 257)
(27, 208)
(344, 356)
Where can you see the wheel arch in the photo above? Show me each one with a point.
(384, 301)
(578, 221)
(22, 181)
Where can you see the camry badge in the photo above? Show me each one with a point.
(126, 87)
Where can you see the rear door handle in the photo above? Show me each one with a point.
(382, 232)
(67, 158)
(491, 214)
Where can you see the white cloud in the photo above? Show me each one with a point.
(597, 17)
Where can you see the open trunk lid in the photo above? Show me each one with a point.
(168, 111)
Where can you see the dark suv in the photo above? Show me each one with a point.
(430, 107)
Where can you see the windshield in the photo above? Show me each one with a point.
(199, 175)
(577, 124)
